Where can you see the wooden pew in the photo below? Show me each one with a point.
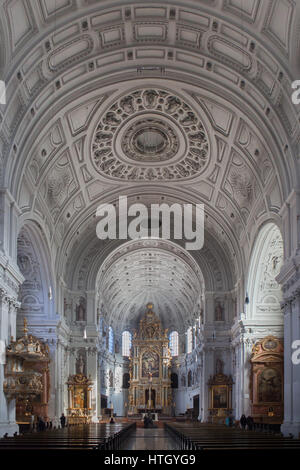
(203, 436)
(81, 437)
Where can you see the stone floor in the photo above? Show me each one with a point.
(149, 439)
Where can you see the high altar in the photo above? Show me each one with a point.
(150, 362)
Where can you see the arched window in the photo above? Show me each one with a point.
(110, 340)
(126, 343)
(173, 343)
(189, 340)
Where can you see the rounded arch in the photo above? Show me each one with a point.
(151, 269)
(263, 291)
(37, 293)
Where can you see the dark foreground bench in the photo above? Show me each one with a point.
(201, 436)
(81, 437)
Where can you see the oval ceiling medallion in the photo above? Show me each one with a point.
(150, 135)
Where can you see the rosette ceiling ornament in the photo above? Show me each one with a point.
(150, 135)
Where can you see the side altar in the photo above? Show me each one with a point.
(79, 393)
(150, 367)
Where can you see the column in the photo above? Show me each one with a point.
(92, 365)
(208, 369)
(291, 424)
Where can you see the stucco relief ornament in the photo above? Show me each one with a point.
(150, 135)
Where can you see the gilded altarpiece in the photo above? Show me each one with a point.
(150, 367)
(220, 394)
(267, 379)
(79, 396)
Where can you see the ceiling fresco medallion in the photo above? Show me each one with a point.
(150, 135)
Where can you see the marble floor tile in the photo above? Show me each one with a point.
(150, 439)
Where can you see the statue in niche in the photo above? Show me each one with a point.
(183, 382)
(219, 366)
(81, 310)
(80, 365)
(66, 307)
(117, 347)
(219, 312)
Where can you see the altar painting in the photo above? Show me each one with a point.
(150, 364)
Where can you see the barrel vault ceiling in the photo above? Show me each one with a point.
(180, 102)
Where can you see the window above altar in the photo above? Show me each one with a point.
(126, 343)
(173, 343)
(189, 340)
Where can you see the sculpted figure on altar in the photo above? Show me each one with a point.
(219, 312)
(80, 365)
(219, 366)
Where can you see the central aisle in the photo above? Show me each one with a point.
(149, 439)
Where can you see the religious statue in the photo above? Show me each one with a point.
(80, 310)
(80, 365)
(219, 312)
(219, 366)
(66, 307)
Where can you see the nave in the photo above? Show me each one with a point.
(166, 110)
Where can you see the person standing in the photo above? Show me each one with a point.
(243, 421)
(250, 423)
(62, 420)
